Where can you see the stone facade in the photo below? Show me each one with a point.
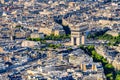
(78, 35)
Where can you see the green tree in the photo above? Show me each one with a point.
(108, 68)
(118, 76)
(109, 76)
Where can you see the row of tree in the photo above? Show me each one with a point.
(108, 68)
(50, 37)
(54, 46)
(118, 76)
(37, 39)
(95, 34)
(112, 40)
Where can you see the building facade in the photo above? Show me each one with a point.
(78, 35)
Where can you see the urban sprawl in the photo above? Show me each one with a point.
(59, 39)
